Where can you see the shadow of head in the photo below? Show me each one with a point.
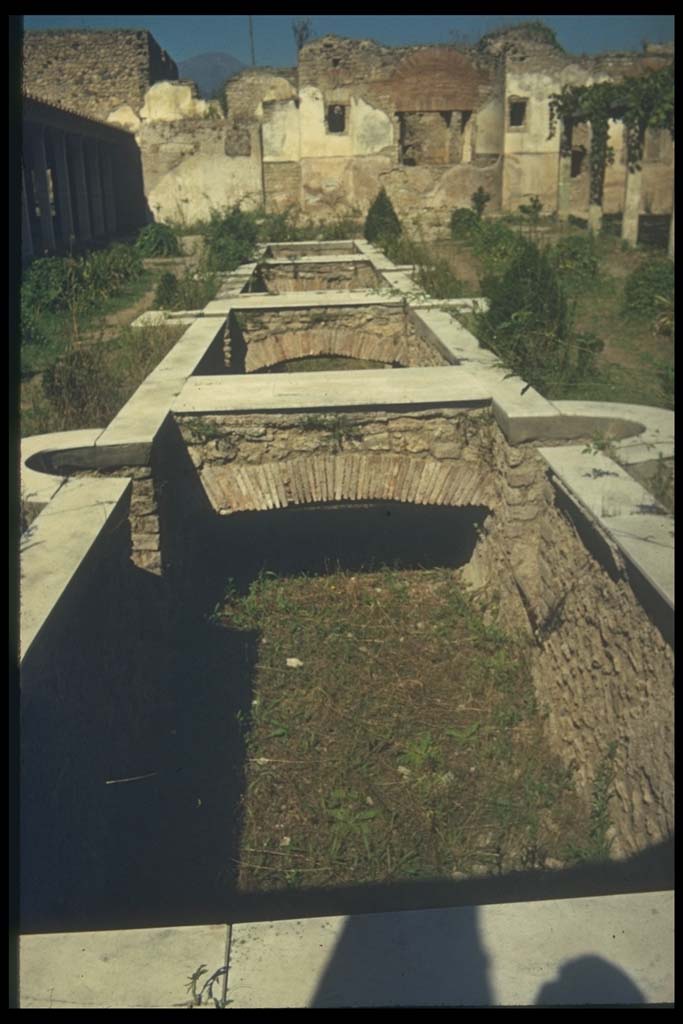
(590, 980)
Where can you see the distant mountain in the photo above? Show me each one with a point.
(209, 70)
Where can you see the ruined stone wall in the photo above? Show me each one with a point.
(531, 157)
(252, 439)
(301, 277)
(193, 165)
(254, 341)
(601, 667)
(93, 72)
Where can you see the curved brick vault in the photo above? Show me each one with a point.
(345, 477)
(392, 350)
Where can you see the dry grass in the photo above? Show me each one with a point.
(405, 745)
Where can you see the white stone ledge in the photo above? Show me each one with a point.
(262, 301)
(653, 427)
(39, 484)
(141, 967)
(352, 259)
(56, 545)
(623, 509)
(600, 949)
(129, 437)
(335, 389)
(605, 949)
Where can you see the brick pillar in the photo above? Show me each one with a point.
(36, 144)
(84, 227)
(26, 238)
(108, 188)
(92, 168)
(62, 188)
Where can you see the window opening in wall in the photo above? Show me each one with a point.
(464, 118)
(336, 118)
(517, 113)
(578, 158)
(446, 115)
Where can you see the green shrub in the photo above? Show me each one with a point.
(497, 245)
(166, 294)
(531, 211)
(381, 224)
(650, 282)
(527, 320)
(33, 330)
(46, 283)
(230, 239)
(479, 200)
(464, 223)
(575, 258)
(157, 240)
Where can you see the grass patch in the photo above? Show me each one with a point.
(403, 742)
(313, 364)
(53, 331)
(86, 385)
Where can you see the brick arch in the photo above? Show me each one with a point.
(342, 477)
(333, 341)
(439, 78)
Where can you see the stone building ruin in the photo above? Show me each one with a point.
(430, 124)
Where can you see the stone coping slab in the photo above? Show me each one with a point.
(58, 541)
(129, 437)
(598, 950)
(299, 300)
(623, 509)
(39, 486)
(336, 389)
(655, 437)
(144, 967)
(614, 950)
(287, 261)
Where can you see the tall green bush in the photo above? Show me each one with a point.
(576, 258)
(230, 239)
(651, 281)
(464, 223)
(527, 323)
(382, 223)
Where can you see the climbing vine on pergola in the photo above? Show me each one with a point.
(642, 102)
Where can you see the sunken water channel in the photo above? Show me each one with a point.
(307, 717)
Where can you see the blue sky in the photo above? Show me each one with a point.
(186, 35)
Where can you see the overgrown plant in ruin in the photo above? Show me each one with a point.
(528, 324)
(158, 240)
(642, 102)
(480, 199)
(382, 224)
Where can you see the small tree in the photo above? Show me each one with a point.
(303, 31)
(479, 200)
(381, 224)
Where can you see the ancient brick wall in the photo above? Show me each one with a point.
(601, 666)
(298, 277)
(254, 341)
(93, 73)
